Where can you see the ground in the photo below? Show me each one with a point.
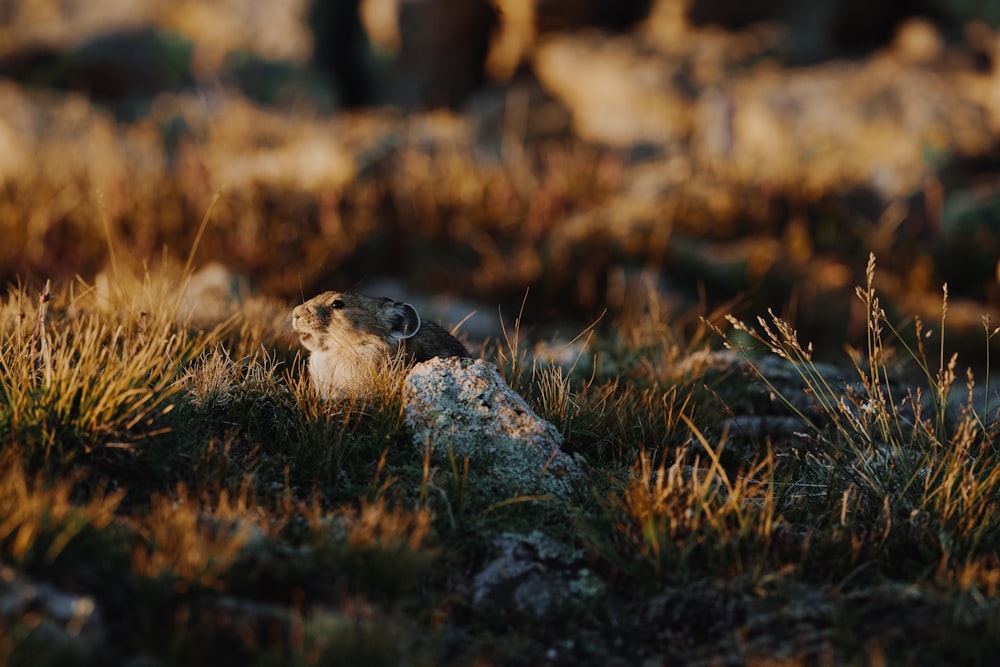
(719, 263)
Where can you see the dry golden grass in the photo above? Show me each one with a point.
(39, 514)
(192, 472)
(192, 540)
(177, 466)
(683, 516)
(82, 376)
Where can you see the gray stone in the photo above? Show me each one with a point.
(462, 407)
(60, 623)
(534, 574)
(212, 294)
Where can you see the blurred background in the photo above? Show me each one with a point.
(653, 158)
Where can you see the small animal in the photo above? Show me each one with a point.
(351, 338)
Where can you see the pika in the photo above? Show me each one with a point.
(351, 337)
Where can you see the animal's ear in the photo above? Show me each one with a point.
(402, 320)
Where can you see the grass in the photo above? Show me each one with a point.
(191, 483)
(902, 469)
(174, 470)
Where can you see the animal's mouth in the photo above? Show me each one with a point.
(304, 335)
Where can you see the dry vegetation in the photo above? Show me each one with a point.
(196, 490)
(181, 495)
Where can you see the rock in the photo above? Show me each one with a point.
(689, 91)
(534, 574)
(616, 96)
(462, 407)
(49, 622)
(777, 404)
(212, 294)
(119, 67)
(769, 399)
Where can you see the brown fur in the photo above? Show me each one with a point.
(352, 337)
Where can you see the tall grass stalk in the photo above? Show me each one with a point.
(878, 460)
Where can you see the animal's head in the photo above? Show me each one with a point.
(337, 318)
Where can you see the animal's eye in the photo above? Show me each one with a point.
(337, 303)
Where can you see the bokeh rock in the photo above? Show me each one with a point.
(767, 400)
(534, 574)
(212, 294)
(127, 67)
(462, 407)
(774, 403)
(50, 623)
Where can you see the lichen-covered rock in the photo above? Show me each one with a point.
(534, 574)
(462, 407)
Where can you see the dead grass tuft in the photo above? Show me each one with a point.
(40, 518)
(686, 518)
(195, 540)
